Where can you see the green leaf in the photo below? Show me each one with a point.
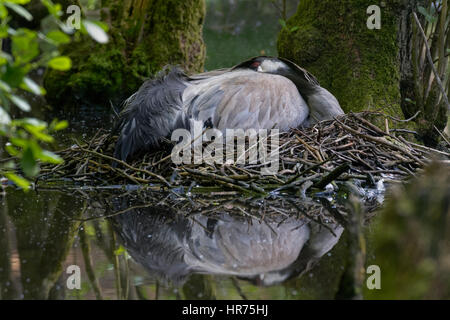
(53, 9)
(9, 165)
(3, 11)
(38, 134)
(29, 85)
(3, 31)
(59, 125)
(60, 63)
(11, 150)
(25, 46)
(428, 16)
(39, 124)
(95, 31)
(22, 2)
(14, 75)
(22, 143)
(4, 117)
(21, 103)
(50, 157)
(58, 37)
(19, 10)
(36, 127)
(295, 28)
(6, 56)
(28, 163)
(282, 23)
(18, 180)
(4, 86)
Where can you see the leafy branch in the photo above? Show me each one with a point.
(28, 50)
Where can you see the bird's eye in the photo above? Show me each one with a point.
(255, 65)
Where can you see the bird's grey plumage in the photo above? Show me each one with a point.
(240, 100)
(149, 113)
(322, 104)
(171, 246)
(260, 93)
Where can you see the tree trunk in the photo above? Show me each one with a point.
(144, 35)
(358, 65)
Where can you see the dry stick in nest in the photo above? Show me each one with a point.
(297, 182)
(229, 182)
(154, 175)
(333, 175)
(381, 141)
(361, 142)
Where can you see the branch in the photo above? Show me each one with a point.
(430, 60)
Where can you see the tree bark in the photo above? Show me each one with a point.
(144, 35)
(358, 65)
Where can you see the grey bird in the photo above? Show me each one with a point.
(172, 246)
(260, 93)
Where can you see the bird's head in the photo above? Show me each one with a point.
(264, 64)
(305, 82)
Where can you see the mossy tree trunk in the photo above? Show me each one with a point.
(358, 65)
(144, 35)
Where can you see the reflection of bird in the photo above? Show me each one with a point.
(260, 93)
(172, 246)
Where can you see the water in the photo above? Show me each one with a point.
(155, 253)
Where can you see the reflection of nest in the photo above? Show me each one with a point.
(337, 150)
(173, 237)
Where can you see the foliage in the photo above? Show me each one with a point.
(26, 138)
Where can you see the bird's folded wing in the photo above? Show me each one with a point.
(247, 100)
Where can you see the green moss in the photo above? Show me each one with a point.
(142, 41)
(97, 74)
(359, 66)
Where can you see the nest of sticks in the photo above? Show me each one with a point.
(348, 147)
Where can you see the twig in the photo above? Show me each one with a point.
(430, 60)
(333, 175)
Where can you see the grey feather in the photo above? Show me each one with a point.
(150, 113)
(245, 99)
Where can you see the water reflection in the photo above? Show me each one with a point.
(267, 252)
(35, 237)
(170, 251)
(174, 246)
